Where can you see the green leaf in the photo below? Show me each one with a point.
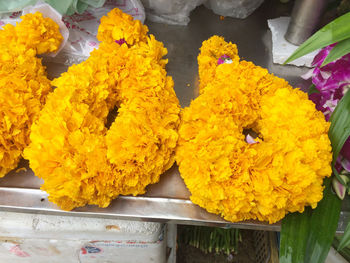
(341, 49)
(335, 31)
(345, 241)
(294, 235)
(308, 237)
(345, 252)
(339, 130)
(323, 225)
(312, 90)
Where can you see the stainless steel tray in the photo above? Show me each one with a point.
(168, 201)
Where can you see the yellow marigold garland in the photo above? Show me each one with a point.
(23, 82)
(83, 162)
(280, 171)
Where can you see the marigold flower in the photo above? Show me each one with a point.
(128, 29)
(80, 159)
(228, 173)
(23, 82)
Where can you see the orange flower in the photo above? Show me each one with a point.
(23, 82)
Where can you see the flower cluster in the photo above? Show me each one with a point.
(23, 82)
(250, 146)
(81, 160)
(331, 81)
(128, 29)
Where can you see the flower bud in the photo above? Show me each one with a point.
(338, 187)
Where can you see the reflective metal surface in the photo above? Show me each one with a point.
(305, 17)
(168, 201)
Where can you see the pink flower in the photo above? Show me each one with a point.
(321, 56)
(250, 140)
(224, 59)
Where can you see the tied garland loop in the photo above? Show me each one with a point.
(81, 161)
(279, 171)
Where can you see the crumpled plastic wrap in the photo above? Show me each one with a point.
(79, 30)
(233, 8)
(83, 29)
(174, 12)
(67, 7)
(177, 12)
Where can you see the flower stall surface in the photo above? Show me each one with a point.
(169, 199)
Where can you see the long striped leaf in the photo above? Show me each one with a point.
(307, 237)
(335, 31)
(323, 224)
(345, 241)
(339, 130)
(341, 49)
(294, 235)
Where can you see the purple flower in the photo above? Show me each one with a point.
(332, 81)
(345, 163)
(120, 41)
(321, 56)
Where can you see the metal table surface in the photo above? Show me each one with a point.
(168, 201)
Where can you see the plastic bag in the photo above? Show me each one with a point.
(174, 12)
(233, 8)
(82, 28)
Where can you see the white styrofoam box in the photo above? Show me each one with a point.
(17, 250)
(123, 252)
(171, 242)
(33, 238)
(31, 250)
(25, 225)
(281, 48)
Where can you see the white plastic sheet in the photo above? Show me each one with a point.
(174, 12)
(233, 8)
